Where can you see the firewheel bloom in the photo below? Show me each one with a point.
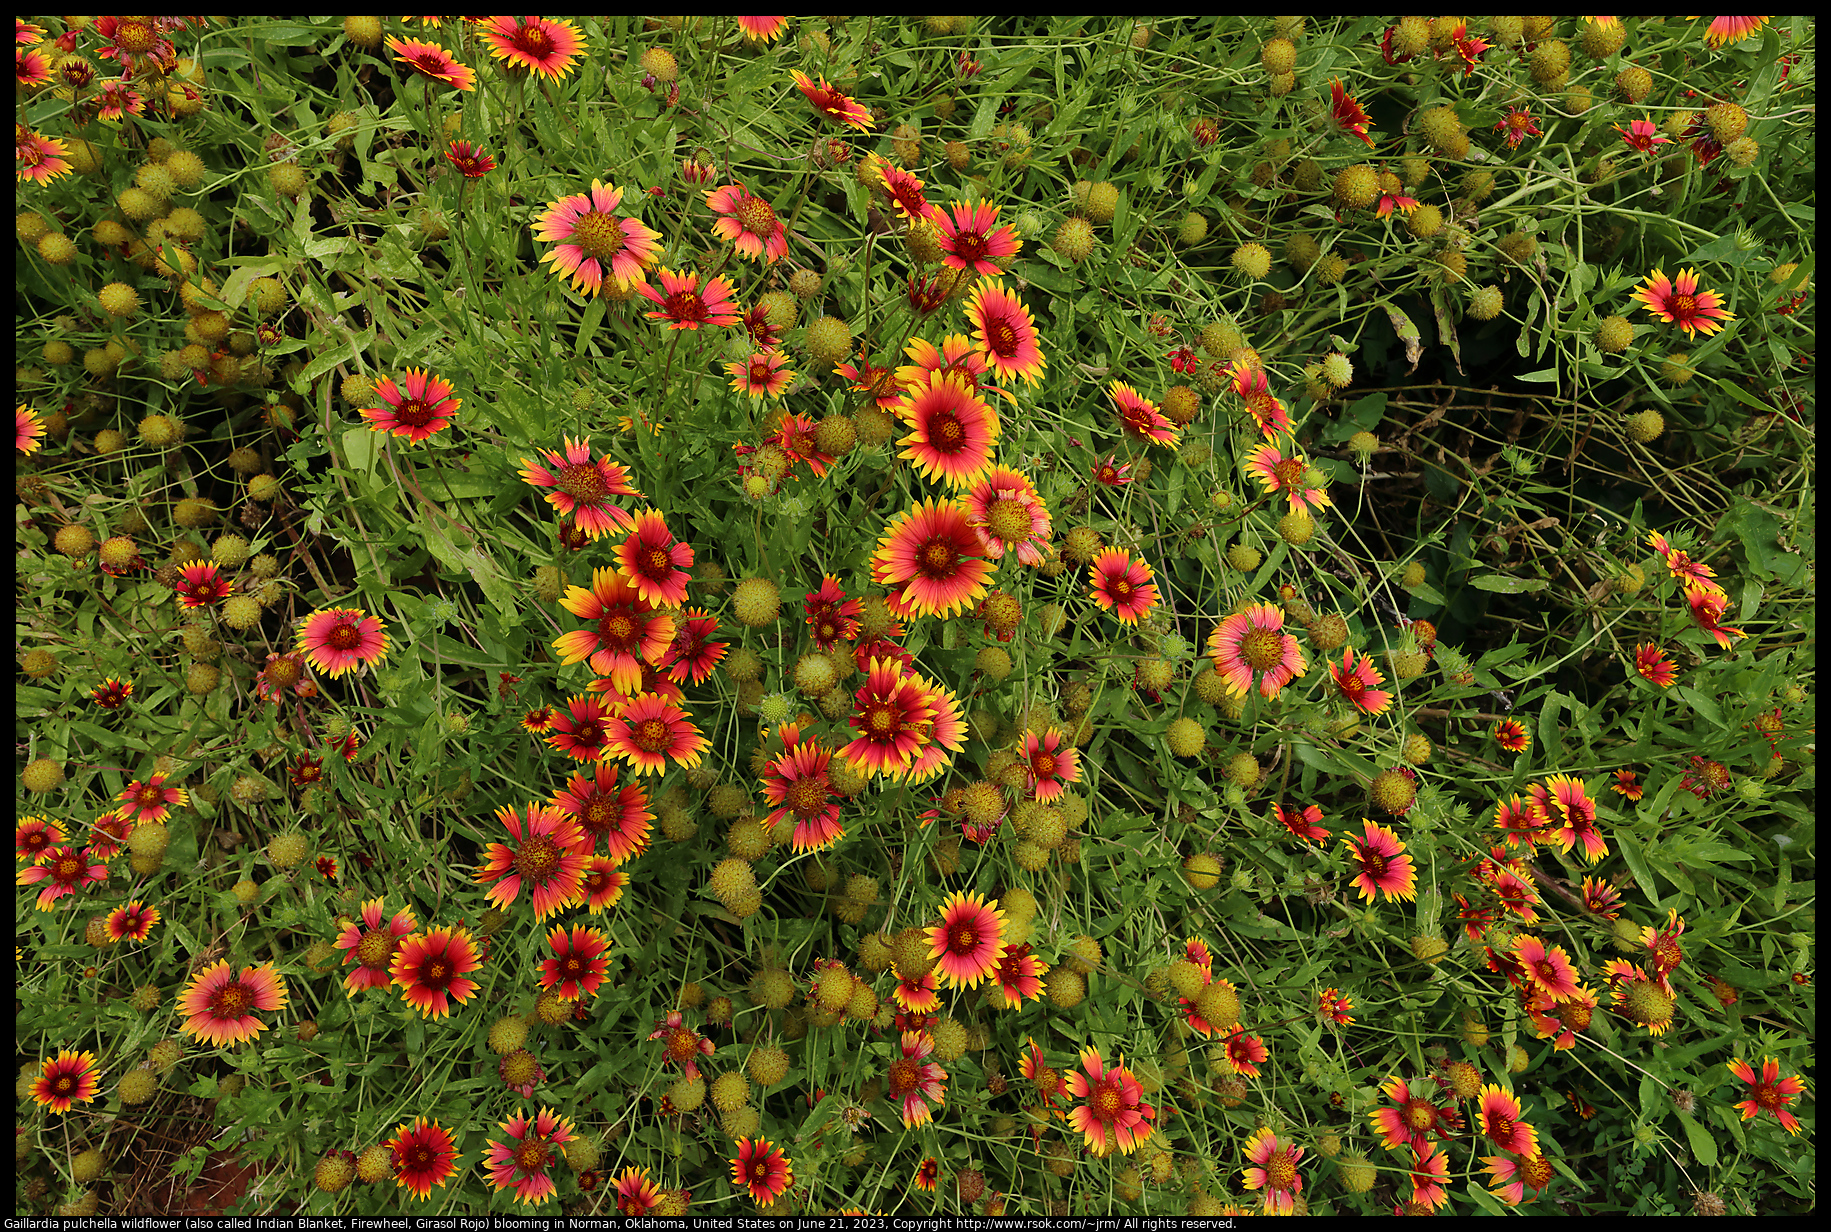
(1513, 1177)
(1384, 868)
(1333, 1006)
(1679, 302)
(1121, 585)
(1305, 824)
(582, 488)
(1412, 1120)
(966, 944)
(684, 305)
(1274, 1170)
(797, 783)
(1500, 1122)
(71, 1078)
(933, 559)
(219, 1005)
(544, 46)
(525, 1160)
(594, 243)
(655, 563)
(1567, 816)
(1049, 763)
(1018, 976)
(432, 60)
(1707, 613)
(470, 160)
(370, 944)
(1254, 388)
(430, 967)
(750, 222)
(547, 855)
(415, 412)
(1767, 1091)
(914, 1079)
(1005, 332)
(1693, 576)
(40, 158)
(972, 240)
(1723, 31)
(1115, 1115)
(624, 631)
(201, 584)
(652, 731)
(1517, 125)
(340, 639)
(1653, 664)
(1287, 476)
(1355, 678)
(1548, 967)
(762, 1169)
(905, 191)
(831, 103)
(1347, 112)
(64, 870)
(603, 808)
(952, 430)
(1010, 517)
(1140, 416)
(579, 963)
(765, 374)
(424, 1154)
(31, 429)
(1512, 735)
(1643, 135)
(762, 29)
(1254, 641)
(893, 712)
(149, 801)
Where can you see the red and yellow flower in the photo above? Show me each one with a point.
(952, 430)
(429, 968)
(1502, 1123)
(525, 1162)
(1286, 476)
(580, 962)
(684, 305)
(68, 1079)
(582, 488)
(763, 1169)
(891, 714)
(626, 630)
(1767, 1091)
(749, 221)
(914, 1080)
(1050, 763)
(424, 1154)
(547, 856)
(652, 731)
(1115, 1116)
(432, 60)
(219, 1005)
(1384, 868)
(1005, 332)
(972, 240)
(655, 563)
(593, 243)
(150, 801)
(1123, 586)
(831, 103)
(968, 942)
(1274, 1170)
(370, 945)
(1140, 417)
(933, 560)
(340, 639)
(1679, 302)
(1253, 642)
(543, 46)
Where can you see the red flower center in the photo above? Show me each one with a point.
(343, 636)
(582, 482)
(1262, 649)
(1107, 1103)
(617, 630)
(435, 973)
(597, 812)
(231, 1002)
(1043, 765)
(151, 794)
(532, 1155)
(806, 796)
(1120, 588)
(969, 246)
(652, 735)
(685, 306)
(533, 42)
(946, 432)
(1373, 864)
(1289, 472)
(1684, 306)
(905, 1076)
(599, 235)
(755, 216)
(760, 373)
(938, 558)
(414, 412)
(657, 563)
(965, 938)
(588, 732)
(1001, 337)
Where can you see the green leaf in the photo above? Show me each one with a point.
(1507, 585)
(1702, 1144)
(1636, 860)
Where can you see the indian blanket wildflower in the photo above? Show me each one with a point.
(1517, 125)
(1654, 665)
(636, 1193)
(41, 159)
(219, 1005)
(1567, 816)
(765, 374)
(1723, 31)
(1677, 301)
(693, 654)
(593, 244)
(972, 240)
(547, 856)
(35, 837)
(1384, 868)
(1005, 332)
(891, 714)
(1512, 735)
(581, 730)
(1018, 976)
(580, 962)
(916, 994)
(1548, 967)
(68, 1079)
(1049, 762)
(1140, 417)
(1430, 1168)
(763, 1169)
(626, 630)
(1010, 517)
(798, 784)
(1305, 824)
(64, 870)
(1252, 642)
(650, 732)
(1285, 476)
(952, 430)
(1767, 1091)
(370, 945)
(617, 813)
(1707, 613)
(134, 921)
(750, 222)
(1274, 1170)
(831, 616)
(337, 640)
(933, 559)
(1601, 897)
(543, 46)
(1500, 1121)
(470, 160)
(1245, 1053)
(684, 304)
(655, 563)
(1693, 576)
(1643, 135)
(684, 1046)
(762, 29)
(524, 1162)
(1122, 586)
(1334, 1006)
(831, 103)
(201, 584)
(150, 801)
(1254, 388)
(31, 429)
(432, 60)
(904, 189)
(424, 1154)
(927, 1174)
(1115, 1116)
(968, 942)
(429, 969)
(1414, 1119)
(1664, 949)
(1514, 1175)
(914, 1080)
(582, 488)
(1347, 113)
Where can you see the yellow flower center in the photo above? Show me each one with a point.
(652, 735)
(1262, 649)
(755, 216)
(534, 43)
(1535, 1170)
(135, 37)
(806, 796)
(617, 629)
(1289, 472)
(905, 1074)
(1684, 306)
(1280, 1172)
(1420, 1114)
(659, 562)
(881, 719)
(1107, 1103)
(532, 1155)
(582, 482)
(599, 235)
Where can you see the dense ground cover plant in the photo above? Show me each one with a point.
(1022, 615)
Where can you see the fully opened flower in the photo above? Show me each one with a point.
(625, 632)
(415, 409)
(134, 921)
(1122, 586)
(1767, 1091)
(201, 584)
(1254, 388)
(219, 1005)
(1010, 517)
(1643, 135)
(1707, 613)
(1384, 868)
(371, 945)
(1018, 976)
(1654, 665)
(914, 1080)
(967, 943)
(1413, 1120)
(891, 714)
(432, 60)
(1286, 476)
(1305, 824)
(150, 801)
(429, 968)
(1245, 1053)
(916, 994)
(547, 855)
(68, 1079)
(524, 1162)
(831, 103)
(651, 732)
(933, 559)
(1693, 576)
(797, 783)
(762, 1169)
(339, 639)
(1513, 1176)
(1005, 332)
(685, 305)
(1512, 735)
(543, 46)
(64, 870)
(655, 563)
(1115, 1116)
(1677, 301)
(750, 222)
(1140, 416)
(424, 1154)
(693, 654)
(593, 243)
(41, 159)
(1548, 967)
(603, 808)
(1500, 1122)
(971, 238)
(765, 374)
(1274, 1170)
(946, 734)
(581, 730)
(1567, 815)
(1253, 642)
(582, 488)
(952, 431)
(1356, 677)
(1050, 763)
(35, 837)
(580, 962)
